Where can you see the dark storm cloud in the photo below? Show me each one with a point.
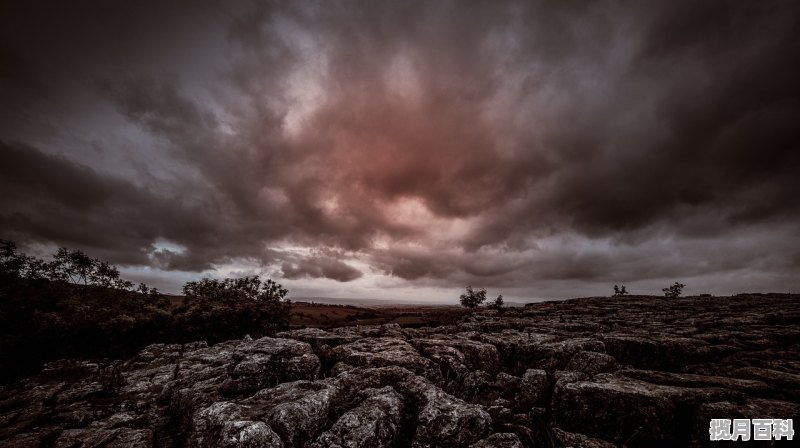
(51, 198)
(501, 142)
(321, 268)
(720, 135)
(158, 106)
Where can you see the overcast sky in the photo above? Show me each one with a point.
(406, 149)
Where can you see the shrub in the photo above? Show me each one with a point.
(620, 291)
(235, 289)
(497, 304)
(71, 307)
(673, 291)
(472, 298)
(12, 263)
(222, 309)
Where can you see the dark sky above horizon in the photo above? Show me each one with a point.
(405, 149)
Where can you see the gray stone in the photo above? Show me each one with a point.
(373, 423)
(533, 389)
(592, 363)
(499, 440)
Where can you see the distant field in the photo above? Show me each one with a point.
(392, 303)
(327, 315)
(367, 312)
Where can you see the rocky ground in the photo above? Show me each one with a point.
(638, 371)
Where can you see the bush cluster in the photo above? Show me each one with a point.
(673, 291)
(76, 306)
(473, 298)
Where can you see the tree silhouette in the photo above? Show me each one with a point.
(498, 304)
(472, 298)
(35, 269)
(71, 265)
(12, 263)
(104, 274)
(673, 291)
(236, 289)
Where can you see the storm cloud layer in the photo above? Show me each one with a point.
(406, 149)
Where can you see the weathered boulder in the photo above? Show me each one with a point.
(222, 425)
(383, 352)
(373, 423)
(592, 363)
(459, 353)
(753, 387)
(318, 338)
(447, 421)
(296, 411)
(517, 350)
(621, 411)
(534, 388)
(575, 440)
(450, 361)
(480, 387)
(787, 384)
(499, 440)
(555, 355)
(207, 423)
(441, 419)
(508, 382)
(654, 351)
(266, 362)
(100, 437)
(205, 375)
(247, 434)
(633, 412)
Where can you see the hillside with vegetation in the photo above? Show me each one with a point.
(75, 306)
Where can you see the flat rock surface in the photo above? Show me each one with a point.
(597, 372)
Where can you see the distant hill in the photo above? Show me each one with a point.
(384, 302)
(371, 302)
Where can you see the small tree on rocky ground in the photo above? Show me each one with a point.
(228, 307)
(620, 291)
(243, 289)
(497, 304)
(673, 291)
(473, 298)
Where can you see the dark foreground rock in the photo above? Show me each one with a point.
(639, 371)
